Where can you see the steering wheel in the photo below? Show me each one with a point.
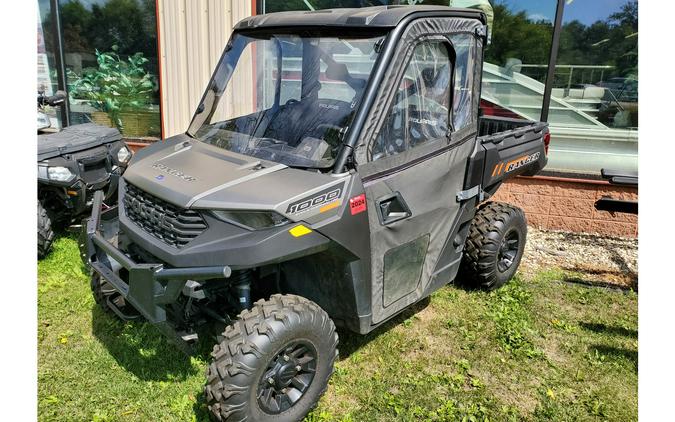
(322, 130)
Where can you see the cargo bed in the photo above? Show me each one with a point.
(506, 148)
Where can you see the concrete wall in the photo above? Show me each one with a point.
(568, 205)
(192, 35)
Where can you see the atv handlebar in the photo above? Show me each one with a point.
(54, 100)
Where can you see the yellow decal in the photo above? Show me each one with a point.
(330, 206)
(300, 230)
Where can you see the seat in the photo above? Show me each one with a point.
(309, 117)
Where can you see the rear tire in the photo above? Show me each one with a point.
(274, 362)
(494, 246)
(45, 232)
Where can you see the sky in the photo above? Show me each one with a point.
(585, 11)
(590, 11)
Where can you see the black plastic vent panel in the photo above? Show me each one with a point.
(169, 223)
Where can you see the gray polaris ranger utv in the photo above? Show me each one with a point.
(336, 171)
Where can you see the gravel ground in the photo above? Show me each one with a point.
(593, 258)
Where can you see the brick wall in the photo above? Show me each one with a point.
(560, 204)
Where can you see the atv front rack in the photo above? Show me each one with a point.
(150, 286)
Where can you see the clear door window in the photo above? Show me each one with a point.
(421, 106)
(462, 104)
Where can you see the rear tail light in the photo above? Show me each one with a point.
(547, 140)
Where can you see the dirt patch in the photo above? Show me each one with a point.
(598, 259)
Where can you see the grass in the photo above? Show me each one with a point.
(537, 349)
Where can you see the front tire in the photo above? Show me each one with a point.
(274, 362)
(494, 246)
(45, 231)
(106, 296)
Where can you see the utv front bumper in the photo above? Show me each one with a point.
(149, 287)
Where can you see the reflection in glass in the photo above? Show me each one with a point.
(110, 51)
(597, 77)
(594, 105)
(521, 41)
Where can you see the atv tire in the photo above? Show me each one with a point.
(45, 231)
(494, 246)
(274, 362)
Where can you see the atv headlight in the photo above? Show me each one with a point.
(123, 155)
(254, 220)
(60, 174)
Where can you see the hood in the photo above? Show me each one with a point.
(191, 174)
(75, 138)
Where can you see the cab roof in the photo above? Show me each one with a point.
(365, 17)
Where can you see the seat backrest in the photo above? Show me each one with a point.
(292, 122)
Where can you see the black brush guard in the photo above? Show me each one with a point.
(150, 286)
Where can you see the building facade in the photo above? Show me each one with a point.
(168, 49)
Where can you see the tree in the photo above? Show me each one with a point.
(514, 35)
(612, 42)
(76, 21)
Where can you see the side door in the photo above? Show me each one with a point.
(420, 169)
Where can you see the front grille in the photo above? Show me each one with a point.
(94, 165)
(169, 223)
(95, 172)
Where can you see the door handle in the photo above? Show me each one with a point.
(392, 208)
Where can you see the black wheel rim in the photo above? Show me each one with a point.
(287, 377)
(508, 250)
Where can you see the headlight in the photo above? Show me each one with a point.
(60, 174)
(255, 220)
(123, 155)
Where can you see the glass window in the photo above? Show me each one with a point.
(594, 104)
(259, 57)
(421, 105)
(354, 54)
(465, 52)
(593, 111)
(299, 120)
(516, 59)
(110, 49)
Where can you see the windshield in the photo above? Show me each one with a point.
(288, 98)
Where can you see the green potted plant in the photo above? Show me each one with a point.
(123, 89)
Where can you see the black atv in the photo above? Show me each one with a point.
(72, 165)
(336, 171)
